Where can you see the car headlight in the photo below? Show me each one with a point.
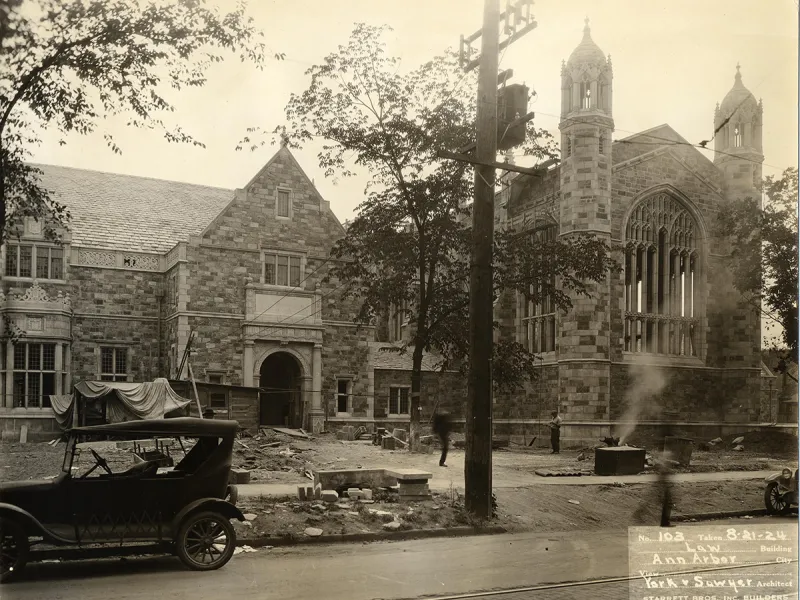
(787, 474)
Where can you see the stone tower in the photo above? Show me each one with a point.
(737, 143)
(584, 351)
(738, 153)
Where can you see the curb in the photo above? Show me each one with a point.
(758, 512)
(370, 537)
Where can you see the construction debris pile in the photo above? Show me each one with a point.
(273, 451)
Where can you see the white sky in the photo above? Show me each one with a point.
(673, 61)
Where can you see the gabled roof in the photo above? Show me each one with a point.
(649, 140)
(132, 213)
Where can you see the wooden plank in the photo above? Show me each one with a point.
(292, 432)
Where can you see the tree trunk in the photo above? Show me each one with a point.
(2, 195)
(416, 388)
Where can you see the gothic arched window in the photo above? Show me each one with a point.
(737, 136)
(538, 310)
(662, 279)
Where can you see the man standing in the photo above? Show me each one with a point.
(555, 432)
(441, 427)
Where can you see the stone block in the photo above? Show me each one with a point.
(354, 494)
(421, 498)
(301, 492)
(366, 494)
(347, 478)
(239, 476)
(388, 443)
(400, 434)
(414, 489)
(409, 474)
(329, 496)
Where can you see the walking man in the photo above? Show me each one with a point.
(441, 427)
(555, 432)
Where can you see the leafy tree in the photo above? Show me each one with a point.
(408, 247)
(71, 63)
(764, 252)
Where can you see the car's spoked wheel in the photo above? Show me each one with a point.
(13, 549)
(774, 500)
(206, 541)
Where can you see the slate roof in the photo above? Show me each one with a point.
(384, 358)
(132, 213)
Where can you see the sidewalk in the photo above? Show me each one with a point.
(440, 484)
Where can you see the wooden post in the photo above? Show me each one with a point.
(194, 387)
(478, 459)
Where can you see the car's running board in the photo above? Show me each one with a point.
(99, 551)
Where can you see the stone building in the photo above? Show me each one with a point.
(147, 263)
(669, 332)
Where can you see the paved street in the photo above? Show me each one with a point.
(407, 569)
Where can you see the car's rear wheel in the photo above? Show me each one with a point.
(774, 500)
(206, 541)
(13, 549)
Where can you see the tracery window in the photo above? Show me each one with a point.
(539, 318)
(737, 136)
(662, 279)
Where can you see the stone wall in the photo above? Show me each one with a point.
(449, 389)
(535, 400)
(345, 353)
(217, 346)
(694, 394)
(116, 308)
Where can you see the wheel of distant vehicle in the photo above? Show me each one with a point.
(13, 549)
(206, 541)
(774, 500)
(781, 492)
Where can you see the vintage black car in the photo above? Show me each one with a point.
(780, 493)
(145, 508)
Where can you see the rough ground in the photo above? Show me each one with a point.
(543, 508)
(288, 517)
(277, 458)
(273, 457)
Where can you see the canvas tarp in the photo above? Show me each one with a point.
(63, 407)
(124, 401)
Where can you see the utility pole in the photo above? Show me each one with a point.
(517, 22)
(478, 461)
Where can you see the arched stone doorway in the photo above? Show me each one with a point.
(281, 399)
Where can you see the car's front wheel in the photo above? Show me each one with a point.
(13, 548)
(774, 500)
(206, 541)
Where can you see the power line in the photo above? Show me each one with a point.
(273, 326)
(297, 286)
